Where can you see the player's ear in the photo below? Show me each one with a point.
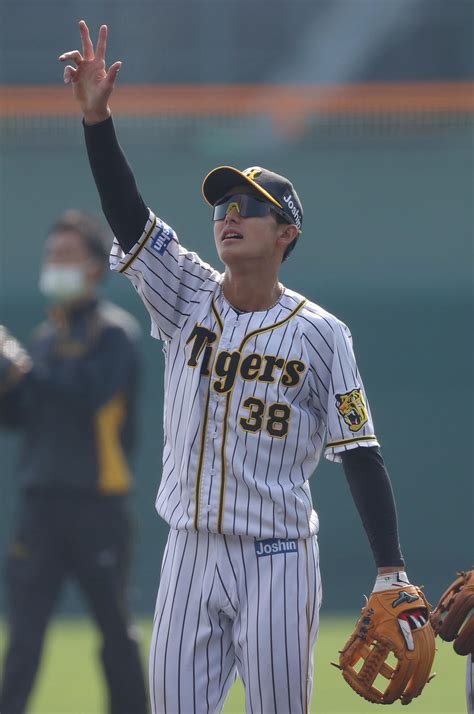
(288, 233)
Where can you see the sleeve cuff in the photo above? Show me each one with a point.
(104, 125)
(120, 261)
(334, 449)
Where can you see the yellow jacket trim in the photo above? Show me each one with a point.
(114, 474)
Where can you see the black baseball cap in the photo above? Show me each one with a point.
(275, 188)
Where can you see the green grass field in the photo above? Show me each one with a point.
(70, 680)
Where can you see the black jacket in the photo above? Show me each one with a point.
(76, 406)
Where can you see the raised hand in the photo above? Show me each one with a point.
(92, 83)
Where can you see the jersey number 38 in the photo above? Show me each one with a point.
(275, 419)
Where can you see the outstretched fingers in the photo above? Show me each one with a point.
(92, 82)
(101, 43)
(87, 46)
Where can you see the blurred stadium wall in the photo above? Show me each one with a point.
(368, 106)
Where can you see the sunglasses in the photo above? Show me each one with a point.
(247, 206)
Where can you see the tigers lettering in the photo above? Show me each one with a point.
(229, 366)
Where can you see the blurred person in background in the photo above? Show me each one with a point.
(73, 399)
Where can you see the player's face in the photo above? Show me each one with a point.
(240, 239)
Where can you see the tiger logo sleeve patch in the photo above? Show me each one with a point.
(352, 407)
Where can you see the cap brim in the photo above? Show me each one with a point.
(224, 178)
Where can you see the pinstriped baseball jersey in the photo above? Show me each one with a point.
(252, 399)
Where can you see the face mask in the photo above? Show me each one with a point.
(61, 283)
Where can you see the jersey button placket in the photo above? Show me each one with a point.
(230, 342)
(210, 478)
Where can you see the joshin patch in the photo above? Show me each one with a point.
(274, 546)
(163, 236)
(351, 406)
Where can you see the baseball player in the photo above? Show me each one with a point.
(259, 383)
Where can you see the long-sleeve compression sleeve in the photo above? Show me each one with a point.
(372, 493)
(121, 201)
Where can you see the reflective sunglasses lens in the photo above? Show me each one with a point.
(247, 206)
(221, 209)
(251, 207)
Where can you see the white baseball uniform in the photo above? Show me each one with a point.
(251, 401)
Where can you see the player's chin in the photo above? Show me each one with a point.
(231, 247)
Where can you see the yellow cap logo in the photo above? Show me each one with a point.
(253, 172)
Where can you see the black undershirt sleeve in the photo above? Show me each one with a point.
(372, 493)
(121, 201)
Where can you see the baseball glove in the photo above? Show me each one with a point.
(453, 617)
(395, 625)
(14, 360)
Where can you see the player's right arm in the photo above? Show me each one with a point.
(146, 250)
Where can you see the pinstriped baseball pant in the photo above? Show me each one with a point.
(228, 605)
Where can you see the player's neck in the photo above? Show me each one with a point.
(251, 293)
